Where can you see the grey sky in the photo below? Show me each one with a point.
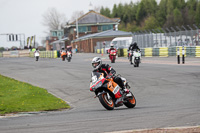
(25, 16)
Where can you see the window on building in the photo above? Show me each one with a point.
(99, 27)
(84, 28)
(105, 27)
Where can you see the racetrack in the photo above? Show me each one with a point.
(167, 95)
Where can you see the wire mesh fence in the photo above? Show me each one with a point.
(163, 38)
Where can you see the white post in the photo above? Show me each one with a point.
(77, 28)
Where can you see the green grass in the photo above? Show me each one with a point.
(16, 96)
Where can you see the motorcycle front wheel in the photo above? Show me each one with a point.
(130, 102)
(106, 102)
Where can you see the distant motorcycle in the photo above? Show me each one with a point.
(63, 55)
(135, 57)
(69, 56)
(109, 93)
(112, 55)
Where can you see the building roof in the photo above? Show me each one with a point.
(59, 41)
(93, 17)
(105, 34)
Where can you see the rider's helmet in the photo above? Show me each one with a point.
(135, 44)
(111, 45)
(96, 62)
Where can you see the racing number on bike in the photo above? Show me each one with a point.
(94, 78)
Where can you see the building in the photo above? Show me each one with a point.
(91, 22)
(89, 29)
(88, 43)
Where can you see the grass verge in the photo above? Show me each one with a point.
(16, 96)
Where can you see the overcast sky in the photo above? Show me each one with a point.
(25, 16)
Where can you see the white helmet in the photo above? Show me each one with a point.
(111, 45)
(96, 62)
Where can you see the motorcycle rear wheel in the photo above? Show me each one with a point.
(131, 102)
(69, 59)
(107, 103)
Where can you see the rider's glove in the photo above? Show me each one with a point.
(110, 75)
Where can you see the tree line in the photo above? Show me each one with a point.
(148, 14)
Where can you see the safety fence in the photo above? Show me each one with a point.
(168, 37)
(161, 52)
(46, 54)
(15, 53)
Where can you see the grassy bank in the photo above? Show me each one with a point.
(16, 96)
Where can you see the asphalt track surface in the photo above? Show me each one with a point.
(167, 94)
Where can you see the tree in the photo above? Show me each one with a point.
(191, 5)
(197, 16)
(178, 20)
(114, 11)
(141, 13)
(53, 19)
(2, 49)
(161, 14)
(170, 6)
(76, 15)
(151, 23)
(105, 12)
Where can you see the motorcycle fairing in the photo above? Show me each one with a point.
(96, 79)
(114, 88)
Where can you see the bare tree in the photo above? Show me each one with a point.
(76, 15)
(53, 19)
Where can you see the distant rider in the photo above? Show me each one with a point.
(62, 51)
(112, 48)
(69, 49)
(108, 71)
(132, 47)
(37, 54)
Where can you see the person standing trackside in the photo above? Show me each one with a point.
(37, 54)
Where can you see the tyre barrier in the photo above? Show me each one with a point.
(1, 55)
(46, 54)
(163, 51)
(197, 51)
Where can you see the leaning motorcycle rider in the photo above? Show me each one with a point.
(108, 72)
